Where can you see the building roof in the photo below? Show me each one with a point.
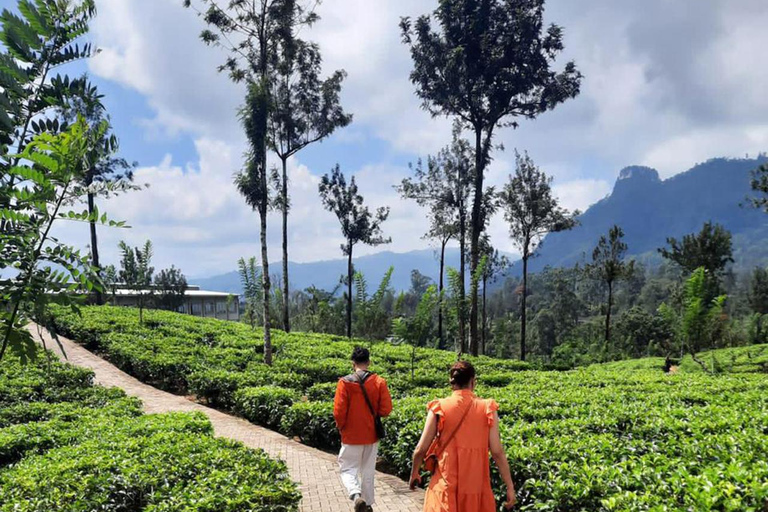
(190, 292)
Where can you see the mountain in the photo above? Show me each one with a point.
(326, 274)
(649, 210)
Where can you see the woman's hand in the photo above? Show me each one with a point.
(511, 498)
(415, 480)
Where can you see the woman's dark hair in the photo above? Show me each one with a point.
(462, 374)
(361, 355)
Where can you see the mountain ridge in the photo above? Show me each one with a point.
(648, 209)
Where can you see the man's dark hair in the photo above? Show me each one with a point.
(361, 355)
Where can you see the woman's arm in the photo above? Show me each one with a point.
(427, 436)
(497, 451)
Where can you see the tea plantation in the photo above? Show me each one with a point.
(606, 438)
(67, 445)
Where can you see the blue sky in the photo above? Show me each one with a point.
(667, 84)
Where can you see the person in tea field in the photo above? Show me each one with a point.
(459, 432)
(362, 399)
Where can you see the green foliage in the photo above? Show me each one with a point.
(136, 273)
(417, 331)
(639, 333)
(250, 279)
(171, 285)
(701, 318)
(759, 184)
(265, 405)
(358, 224)
(710, 248)
(370, 315)
(608, 266)
(68, 445)
(48, 270)
(41, 37)
(592, 439)
(313, 423)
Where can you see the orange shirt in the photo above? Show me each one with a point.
(462, 482)
(352, 415)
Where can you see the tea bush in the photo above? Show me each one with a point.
(67, 445)
(264, 405)
(617, 437)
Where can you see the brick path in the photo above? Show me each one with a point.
(314, 470)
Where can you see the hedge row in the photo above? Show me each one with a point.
(598, 439)
(67, 445)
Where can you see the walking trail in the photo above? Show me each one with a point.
(315, 471)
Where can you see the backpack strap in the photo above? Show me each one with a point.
(443, 446)
(361, 381)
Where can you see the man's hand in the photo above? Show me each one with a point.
(511, 499)
(415, 481)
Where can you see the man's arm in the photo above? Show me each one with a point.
(385, 400)
(340, 405)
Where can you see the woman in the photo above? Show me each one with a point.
(466, 428)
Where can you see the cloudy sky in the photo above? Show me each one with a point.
(668, 83)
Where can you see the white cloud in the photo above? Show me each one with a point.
(666, 84)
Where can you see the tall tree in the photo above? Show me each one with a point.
(107, 174)
(136, 272)
(306, 109)
(42, 37)
(444, 185)
(257, 35)
(489, 63)
(532, 211)
(608, 266)
(358, 224)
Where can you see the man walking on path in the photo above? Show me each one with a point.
(362, 398)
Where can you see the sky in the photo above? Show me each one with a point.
(667, 83)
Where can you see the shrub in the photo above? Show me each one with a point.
(264, 405)
(66, 445)
(313, 423)
(325, 391)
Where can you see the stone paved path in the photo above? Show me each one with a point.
(314, 470)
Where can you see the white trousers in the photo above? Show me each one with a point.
(358, 468)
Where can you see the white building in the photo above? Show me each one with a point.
(197, 302)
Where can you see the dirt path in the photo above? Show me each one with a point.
(314, 470)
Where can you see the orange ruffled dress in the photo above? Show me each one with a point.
(462, 482)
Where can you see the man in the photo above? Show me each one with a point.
(356, 421)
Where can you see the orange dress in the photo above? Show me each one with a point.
(462, 482)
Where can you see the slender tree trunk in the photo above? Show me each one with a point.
(441, 340)
(608, 313)
(477, 205)
(94, 246)
(265, 283)
(484, 317)
(523, 306)
(349, 291)
(286, 296)
(462, 278)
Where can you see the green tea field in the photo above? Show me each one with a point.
(66, 444)
(624, 436)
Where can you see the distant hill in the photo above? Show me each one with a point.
(650, 209)
(326, 274)
(647, 208)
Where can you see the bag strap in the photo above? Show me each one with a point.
(455, 430)
(361, 381)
